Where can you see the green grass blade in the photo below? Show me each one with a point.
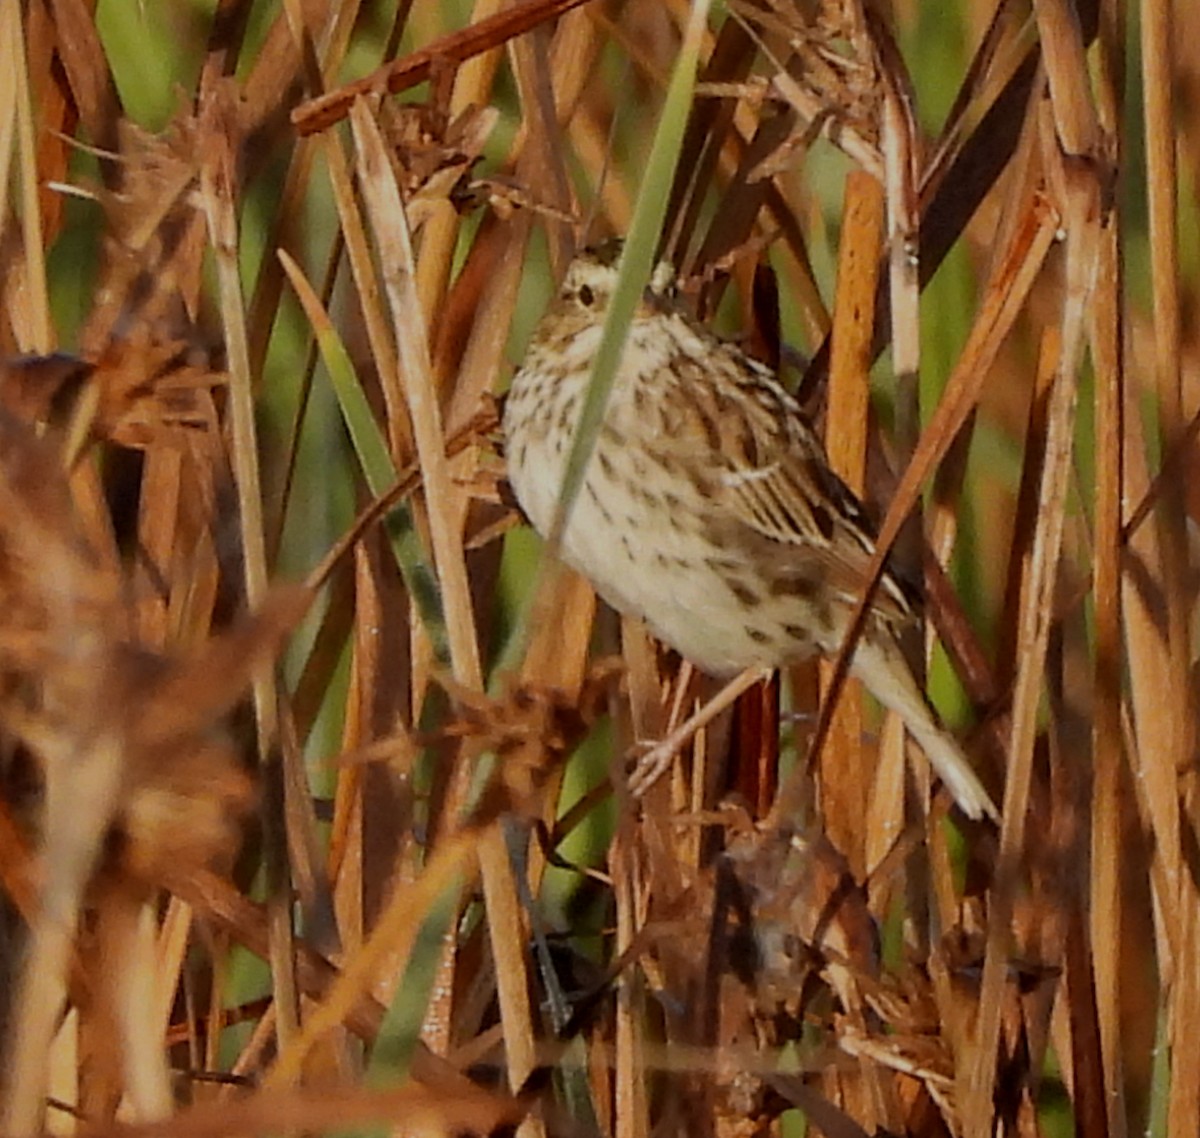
(376, 461)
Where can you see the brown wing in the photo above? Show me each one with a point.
(769, 479)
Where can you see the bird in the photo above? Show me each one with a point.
(708, 507)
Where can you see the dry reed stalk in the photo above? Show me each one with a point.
(1107, 913)
(846, 775)
(1161, 766)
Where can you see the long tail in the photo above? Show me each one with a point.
(887, 675)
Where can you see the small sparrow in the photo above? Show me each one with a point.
(708, 507)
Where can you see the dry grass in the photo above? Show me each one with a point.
(289, 307)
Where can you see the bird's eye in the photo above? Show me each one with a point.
(586, 297)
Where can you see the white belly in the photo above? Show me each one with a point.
(640, 537)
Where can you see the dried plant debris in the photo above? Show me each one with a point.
(154, 238)
(833, 63)
(36, 389)
(153, 370)
(792, 991)
(809, 914)
(530, 728)
(74, 682)
(434, 155)
(141, 780)
(154, 388)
